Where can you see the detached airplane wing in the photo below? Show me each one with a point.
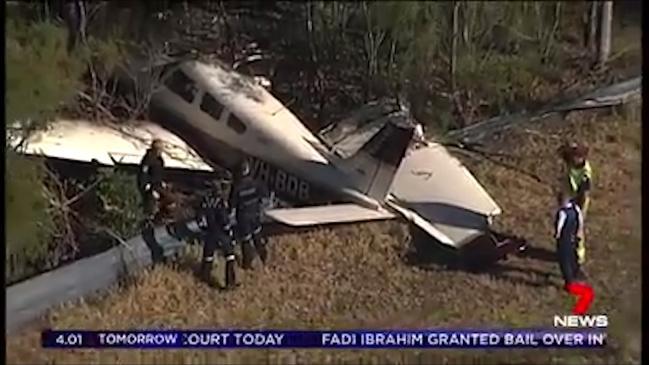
(110, 144)
(438, 194)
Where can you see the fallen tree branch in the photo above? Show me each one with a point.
(112, 234)
(471, 147)
(60, 212)
(98, 105)
(84, 192)
(96, 227)
(544, 135)
(615, 94)
(489, 157)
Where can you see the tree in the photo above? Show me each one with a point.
(40, 73)
(606, 20)
(591, 25)
(40, 77)
(454, 36)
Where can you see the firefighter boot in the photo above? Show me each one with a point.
(262, 251)
(248, 253)
(230, 275)
(205, 273)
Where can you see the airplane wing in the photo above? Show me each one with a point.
(327, 214)
(111, 144)
(437, 193)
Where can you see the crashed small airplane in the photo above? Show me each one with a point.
(364, 168)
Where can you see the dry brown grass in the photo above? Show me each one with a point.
(351, 277)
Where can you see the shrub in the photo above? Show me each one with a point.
(40, 76)
(28, 220)
(40, 73)
(42, 79)
(120, 201)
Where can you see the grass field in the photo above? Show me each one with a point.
(357, 276)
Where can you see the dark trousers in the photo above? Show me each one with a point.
(150, 209)
(249, 234)
(214, 240)
(218, 239)
(568, 262)
(149, 205)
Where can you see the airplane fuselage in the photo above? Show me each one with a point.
(278, 180)
(228, 119)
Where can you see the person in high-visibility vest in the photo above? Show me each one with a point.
(579, 181)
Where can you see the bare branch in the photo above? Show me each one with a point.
(544, 135)
(489, 157)
(61, 213)
(81, 194)
(97, 104)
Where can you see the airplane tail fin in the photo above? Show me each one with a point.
(375, 164)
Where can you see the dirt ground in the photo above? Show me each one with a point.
(357, 276)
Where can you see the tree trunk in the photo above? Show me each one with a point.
(83, 21)
(591, 25)
(605, 33)
(465, 23)
(72, 18)
(454, 36)
(553, 32)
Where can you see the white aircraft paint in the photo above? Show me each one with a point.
(451, 206)
(83, 140)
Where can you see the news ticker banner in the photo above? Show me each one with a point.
(514, 338)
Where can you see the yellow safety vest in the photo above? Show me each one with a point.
(576, 176)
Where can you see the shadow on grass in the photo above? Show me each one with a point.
(539, 253)
(430, 255)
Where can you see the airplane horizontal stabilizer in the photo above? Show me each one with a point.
(422, 223)
(327, 214)
(436, 192)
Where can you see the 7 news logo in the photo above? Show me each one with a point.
(579, 319)
(585, 296)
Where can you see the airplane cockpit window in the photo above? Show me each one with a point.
(236, 124)
(182, 85)
(212, 107)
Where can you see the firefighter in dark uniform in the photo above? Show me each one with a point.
(216, 221)
(149, 183)
(246, 202)
(149, 179)
(569, 225)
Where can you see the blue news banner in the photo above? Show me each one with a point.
(519, 338)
